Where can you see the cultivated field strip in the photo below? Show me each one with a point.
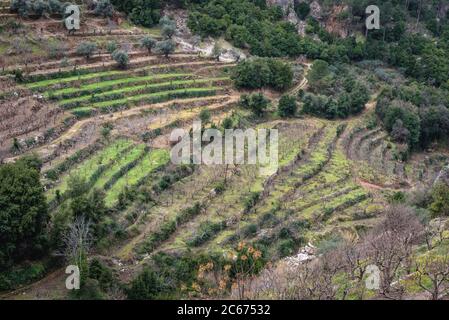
(196, 189)
(378, 160)
(137, 90)
(323, 194)
(121, 164)
(224, 221)
(86, 169)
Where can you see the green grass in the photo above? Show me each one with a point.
(112, 83)
(90, 166)
(130, 89)
(87, 76)
(149, 163)
(158, 97)
(117, 164)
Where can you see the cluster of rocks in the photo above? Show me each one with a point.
(305, 254)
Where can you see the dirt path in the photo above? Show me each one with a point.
(294, 91)
(50, 287)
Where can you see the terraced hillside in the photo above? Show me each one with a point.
(101, 133)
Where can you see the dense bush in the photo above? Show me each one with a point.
(165, 47)
(86, 49)
(121, 57)
(255, 102)
(22, 275)
(147, 286)
(104, 8)
(164, 276)
(23, 214)
(440, 200)
(148, 43)
(247, 24)
(302, 9)
(287, 106)
(263, 72)
(142, 12)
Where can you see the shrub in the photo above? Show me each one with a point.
(104, 8)
(262, 72)
(205, 116)
(217, 51)
(40, 7)
(227, 123)
(286, 248)
(55, 6)
(251, 200)
(100, 272)
(147, 286)
(19, 276)
(302, 9)
(206, 231)
(22, 7)
(440, 200)
(287, 106)
(255, 102)
(111, 46)
(165, 47)
(148, 43)
(122, 58)
(86, 49)
(168, 31)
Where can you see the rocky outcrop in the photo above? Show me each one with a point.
(284, 4)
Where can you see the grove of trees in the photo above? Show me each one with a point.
(23, 212)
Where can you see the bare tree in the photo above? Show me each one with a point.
(435, 233)
(77, 241)
(389, 246)
(354, 260)
(436, 269)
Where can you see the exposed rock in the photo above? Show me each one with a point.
(443, 176)
(334, 24)
(305, 254)
(180, 16)
(284, 4)
(315, 10)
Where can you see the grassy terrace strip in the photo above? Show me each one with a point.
(109, 85)
(84, 75)
(115, 170)
(149, 163)
(111, 106)
(231, 202)
(288, 184)
(88, 168)
(90, 75)
(151, 88)
(79, 77)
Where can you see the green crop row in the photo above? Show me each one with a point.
(90, 167)
(148, 164)
(126, 103)
(109, 85)
(136, 90)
